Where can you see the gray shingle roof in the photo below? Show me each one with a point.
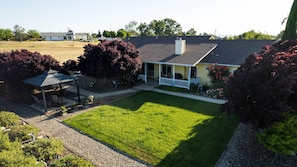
(48, 78)
(228, 52)
(165, 53)
(234, 52)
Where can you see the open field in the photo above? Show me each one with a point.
(60, 50)
(160, 129)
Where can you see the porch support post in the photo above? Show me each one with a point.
(77, 88)
(145, 72)
(160, 68)
(44, 100)
(189, 77)
(173, 75)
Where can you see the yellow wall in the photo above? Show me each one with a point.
(181, 70)
(202, 72)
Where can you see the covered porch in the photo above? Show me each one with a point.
(176, 75)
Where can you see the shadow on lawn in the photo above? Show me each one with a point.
(208, 140)
(204, 148)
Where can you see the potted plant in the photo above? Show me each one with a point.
(91, 99)
(63, 110)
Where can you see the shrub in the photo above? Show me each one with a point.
(4, 141)
(264, 86)
(44, 149)
(20, 132)
(219, 75)
(281, 137)
(8, 118)
(11, 153)
(216, 93)
(15, 157)
(71, 160)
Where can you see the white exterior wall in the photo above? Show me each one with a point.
(53, 38)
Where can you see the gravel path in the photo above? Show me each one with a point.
(244, 150)
(98, 153)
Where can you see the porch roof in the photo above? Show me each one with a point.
(165, 53)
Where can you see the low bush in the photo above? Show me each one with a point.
(71, 160)
(281, 137)
(4, 141)
(8, 118)
(11, 154)
(21, 132)
(45, 149)
(216, 93)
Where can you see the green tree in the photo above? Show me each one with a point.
(131, 28)
(33, 34)
(191, 32)
(5, 34)
(19, 32)
(291, 26)
(251, 35)
(106, 33)
(172, 27)
(113, 34)
(145, 30)
(122, 33)
(158, 27)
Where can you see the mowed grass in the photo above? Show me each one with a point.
(60, 50)
(160, 129)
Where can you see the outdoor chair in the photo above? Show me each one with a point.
(37, 101)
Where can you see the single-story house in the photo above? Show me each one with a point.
(64, 36)
(180, 61)
(82, 36)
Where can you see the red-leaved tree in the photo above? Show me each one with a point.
(109, 59)
(265, 86)
(15, 66)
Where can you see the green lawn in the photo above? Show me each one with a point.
(160, 129)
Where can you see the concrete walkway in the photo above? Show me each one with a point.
(146, 87)
(98, 153)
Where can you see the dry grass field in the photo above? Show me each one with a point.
(60, 50)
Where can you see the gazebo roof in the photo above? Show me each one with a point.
(50, 77)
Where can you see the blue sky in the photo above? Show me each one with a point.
(223, 17)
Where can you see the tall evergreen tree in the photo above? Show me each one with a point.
(291, 27)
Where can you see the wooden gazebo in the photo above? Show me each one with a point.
(50, 77)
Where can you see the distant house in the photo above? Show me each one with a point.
(64, 36)
(180, 61)
(82, 36)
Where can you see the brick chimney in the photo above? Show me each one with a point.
(180, 46)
